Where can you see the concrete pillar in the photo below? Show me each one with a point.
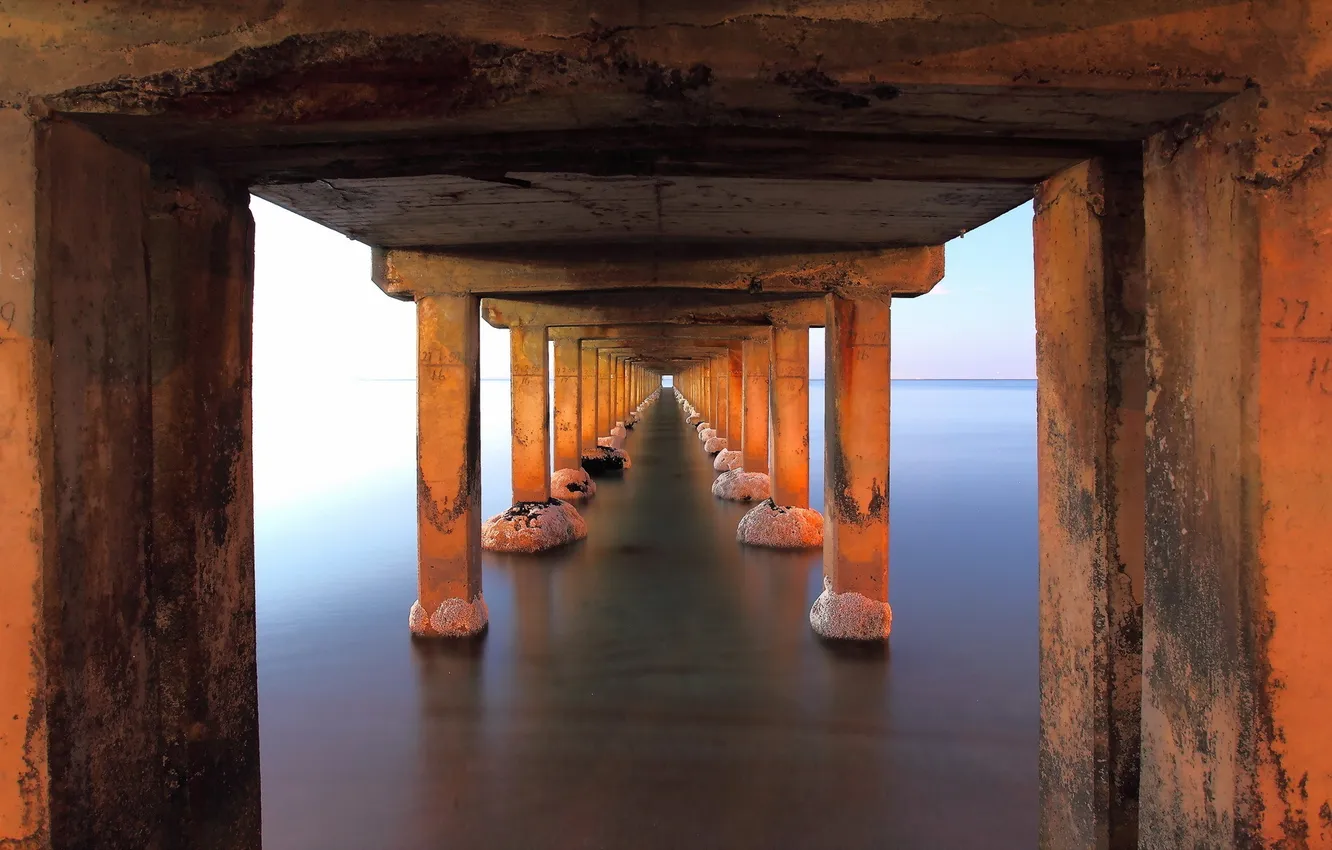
(448, 461)
(1091, 395)
(587, 396)
(529, 366)
(568, 439)
(854, 604)
(721, 382)
(604, 418)
(735, 391)
(755, 404)
(128, 705)
(790, 417)
(617, 389)
(1237, 747)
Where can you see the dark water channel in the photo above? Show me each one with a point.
(658, 686)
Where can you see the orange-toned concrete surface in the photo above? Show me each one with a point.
(568, 444)
(757, 364)
(856, 421)
(129, 133)
(1091, 395)
(1237, 632)
(448, 452)
(529, 366)
(587, 396)
(790, 416)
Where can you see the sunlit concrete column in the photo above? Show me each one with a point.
(755, 405)
(587, 389)
(785, 520)
(1091, 397)
(448, 461)
(604, 418)
(789, 416)
(535, 522)
(569, 481)
(567, 413)
(1237, 631)
(530, 409)
(126, 498)
(735, 392)
(854, 602)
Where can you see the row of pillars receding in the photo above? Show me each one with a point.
(744, 389)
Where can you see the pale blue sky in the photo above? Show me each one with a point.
(319, 319)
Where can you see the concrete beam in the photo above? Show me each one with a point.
(904, 272)
(656, 307)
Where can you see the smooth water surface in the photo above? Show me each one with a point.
(656, 686)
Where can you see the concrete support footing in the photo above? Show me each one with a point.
(715, 445)
(453, 618)
(736, 485)
(531, 527)
(781, 527)
(850, 616)
(572, 485)
(726, 460)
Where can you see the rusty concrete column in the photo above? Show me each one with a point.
(1091, 395)
(617, 389)
(735, 392)
(605, 420)
(126, 499)
(448, 461)
(587, 394)
(721, 382)
(568, 439)
(1237, 629)
(755, 405)
(529, 367)
(854, 604)
(790, 417)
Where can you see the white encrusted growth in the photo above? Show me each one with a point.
(850, 616)
(572, 485)
(693, 419)
(781, 527)
(702, 426)
(453, 618)
(531, 527)
(714, 444)
(727, 459)
(737, 485)
(618, 430)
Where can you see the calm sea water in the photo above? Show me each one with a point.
(656, 686)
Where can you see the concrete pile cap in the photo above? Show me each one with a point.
(706, 434)
(453, 618)
(850, 616)
(781, 527)
(736, 485)
(727, 459)
(530, 527)
(714, 444)
(572, 485)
